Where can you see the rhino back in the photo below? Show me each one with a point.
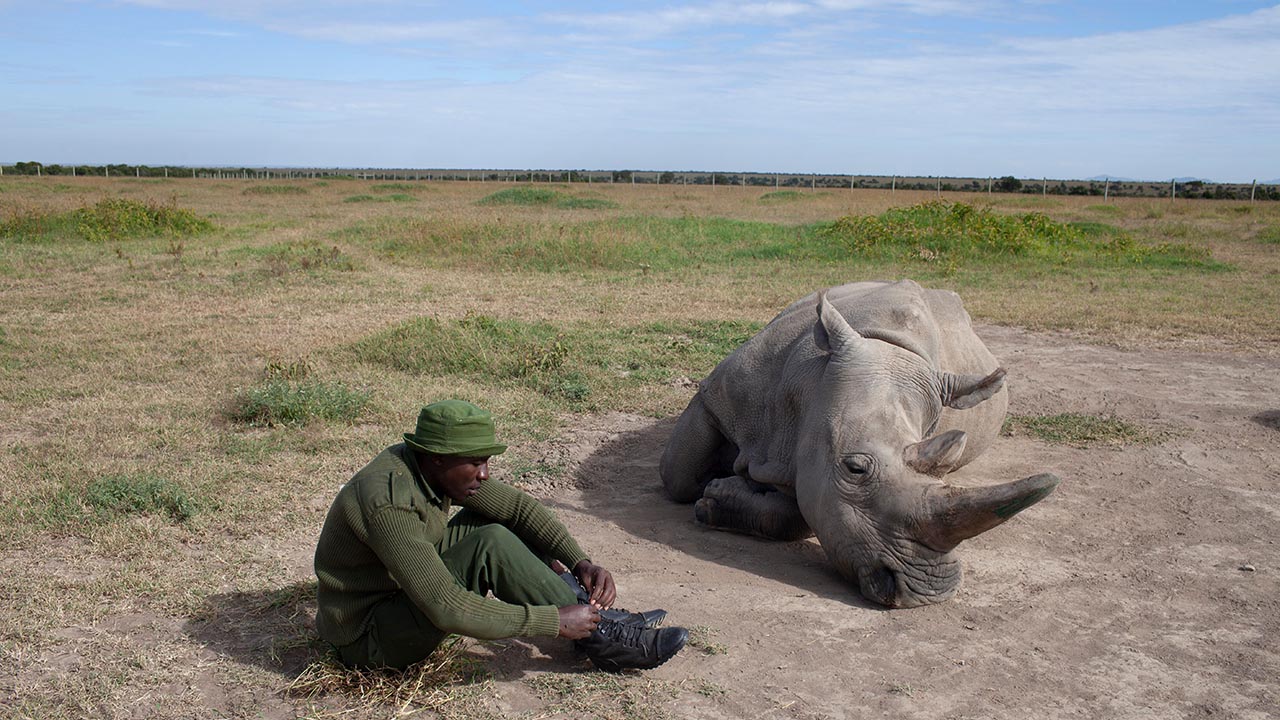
(759, 394)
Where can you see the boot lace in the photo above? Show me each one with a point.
(628, 635)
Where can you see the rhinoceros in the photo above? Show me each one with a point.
(840, 419)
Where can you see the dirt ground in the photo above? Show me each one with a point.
(1144, 587)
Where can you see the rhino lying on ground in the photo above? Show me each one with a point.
(839, 418)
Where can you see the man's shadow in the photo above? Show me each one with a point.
(619, 482)
(275, 629)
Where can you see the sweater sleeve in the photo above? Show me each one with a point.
(529, 519)
(396, 536)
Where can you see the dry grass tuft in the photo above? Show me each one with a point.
(447, 677)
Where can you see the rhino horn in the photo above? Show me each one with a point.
(937, 455)
(964, 391)
(832, 333)
(954, 514)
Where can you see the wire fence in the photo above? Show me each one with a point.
(1104, 188)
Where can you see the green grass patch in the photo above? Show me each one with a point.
(396, 187)
(113, 496)
(931, 239)
(395, 197)
(1079, 430)
(577, 367)
(121, 219)
(782, 196)
(282, 401)
(275, 190)
(112, 219)
(1270, 235)
(962, 234)
(542, 197)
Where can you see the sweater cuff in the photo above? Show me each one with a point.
(544, 621)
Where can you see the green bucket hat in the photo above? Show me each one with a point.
(454, 427)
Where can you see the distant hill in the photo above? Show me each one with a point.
(1112, 178)
(1269, 182)
(1192, 179)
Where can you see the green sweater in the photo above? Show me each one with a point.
(383, 535)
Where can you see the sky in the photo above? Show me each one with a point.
(961, 88)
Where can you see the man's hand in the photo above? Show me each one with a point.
(598, 582)
(577, 621)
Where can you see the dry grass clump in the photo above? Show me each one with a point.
(1080, 430)
(447, 677)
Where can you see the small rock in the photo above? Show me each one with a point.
(1248, 568)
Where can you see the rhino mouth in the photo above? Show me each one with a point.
(914, 583)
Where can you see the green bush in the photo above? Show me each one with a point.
(275, 190)
(137, 495)
(282, 401)
(530, 196)
(119, 219)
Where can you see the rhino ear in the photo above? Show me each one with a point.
(937, 455)
(964, 391)
(832, 332)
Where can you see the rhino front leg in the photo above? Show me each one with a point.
(696, 452)
(739, 505)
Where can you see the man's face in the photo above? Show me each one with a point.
(455, 476)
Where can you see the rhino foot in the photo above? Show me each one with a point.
(739, 505)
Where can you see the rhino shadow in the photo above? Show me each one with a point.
(1268, 419)
(619, 483)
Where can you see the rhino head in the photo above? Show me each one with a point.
(868, 468)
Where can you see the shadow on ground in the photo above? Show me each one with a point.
(273, 629)
(1268, 419)
(619, 483)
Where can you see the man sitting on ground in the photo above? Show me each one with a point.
(397, 575)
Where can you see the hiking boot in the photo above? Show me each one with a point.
(614, 647)
(648, 619)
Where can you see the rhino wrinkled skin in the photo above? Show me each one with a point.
(839, 419)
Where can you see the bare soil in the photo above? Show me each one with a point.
(1145, 587)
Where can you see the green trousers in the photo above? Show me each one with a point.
(484, 557)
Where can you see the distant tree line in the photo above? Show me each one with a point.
(1006, 184)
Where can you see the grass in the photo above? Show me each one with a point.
(110, 219)
(542, 197)
(1079, 430)
(448, 677)
(578, 365)
(392, 198)
(702, 637)
(278, 401)
(276, 190)
(149, 470)
(111, 497)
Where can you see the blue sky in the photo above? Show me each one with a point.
(1030, 88)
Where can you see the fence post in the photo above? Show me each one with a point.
(1173, 189)
(1253, 189)
(1106, 190)
(893, 188)
(988, 185)
(939, 186)
(1044, 187)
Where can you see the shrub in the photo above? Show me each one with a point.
(281, 401)
(137, 495)
(275, 190)
(119, 218)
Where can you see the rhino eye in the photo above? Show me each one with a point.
(860, 466)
